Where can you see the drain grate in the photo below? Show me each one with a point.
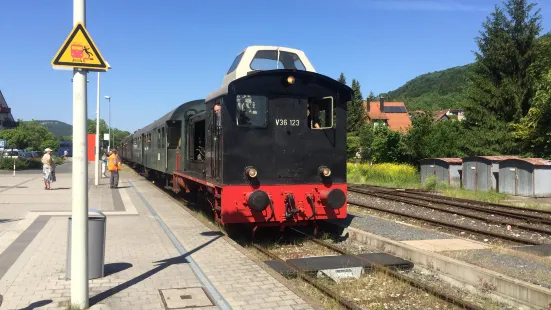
(182, 298)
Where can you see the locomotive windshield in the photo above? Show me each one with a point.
(252, 111)
(269, 60)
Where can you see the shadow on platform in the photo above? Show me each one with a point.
(113, 268)
(163, 264)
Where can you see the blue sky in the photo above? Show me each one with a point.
(164, 53)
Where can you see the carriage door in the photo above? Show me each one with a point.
(215, 132)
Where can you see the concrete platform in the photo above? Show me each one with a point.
(157, 254)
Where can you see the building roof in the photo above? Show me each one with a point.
(492, 158)
(395, 113)
(453, 161)
(535, 161)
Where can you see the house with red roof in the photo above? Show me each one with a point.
(392, 114)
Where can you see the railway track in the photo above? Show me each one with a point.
(344, 302)
(387, 271)
(529, 222)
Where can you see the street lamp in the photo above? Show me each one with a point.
(109, 99)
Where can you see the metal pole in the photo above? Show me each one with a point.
(97, 163)
(79, 228)
(109, 123)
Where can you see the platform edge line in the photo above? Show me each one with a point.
(219, 299)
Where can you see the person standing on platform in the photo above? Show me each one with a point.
(113, 165)
(103, 164)
(48, 167)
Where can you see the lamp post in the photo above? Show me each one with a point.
(109, 146)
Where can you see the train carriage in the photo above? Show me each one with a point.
(268, 148)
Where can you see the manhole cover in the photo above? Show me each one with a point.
(190, 297)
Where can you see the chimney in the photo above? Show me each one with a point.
(382, 102)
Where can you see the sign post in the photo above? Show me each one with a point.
(79, 53)
(96, 163)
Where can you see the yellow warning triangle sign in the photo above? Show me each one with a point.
(80, 51)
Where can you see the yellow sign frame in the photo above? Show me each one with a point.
(79, 27)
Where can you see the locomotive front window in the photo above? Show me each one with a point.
(321, 113)
(252, 111)
(270, 60)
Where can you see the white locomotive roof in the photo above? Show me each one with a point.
(251, 59)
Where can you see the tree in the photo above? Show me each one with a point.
(366, 141)
(371, 97)
(30, 136)
(500, 87)
(356, 114)
(342, 79)
(388, 146)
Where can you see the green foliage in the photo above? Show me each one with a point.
(533, 133)
(431, 182)
(356, 117)
(117, 134)
(501, 86)
(383, 174)
(58, 128)
(352, 146)
(450, 81)
(387, 146)
(342, 79)
(31, 136)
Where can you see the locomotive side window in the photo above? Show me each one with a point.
(235, 63)
(321, 113)
(197, 140)
(252, 111)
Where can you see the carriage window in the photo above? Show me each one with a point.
(252, 111)
(321, 113)
(163, 137)
(158, 138)
(268, 60)
(235, 63)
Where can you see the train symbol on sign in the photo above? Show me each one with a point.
(2, 143)
(78, 50)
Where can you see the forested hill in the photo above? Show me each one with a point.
(434, 91)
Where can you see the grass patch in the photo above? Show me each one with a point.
(491, 196)
(406, 176)
(391, 175)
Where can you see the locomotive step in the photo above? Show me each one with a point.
(315, 264)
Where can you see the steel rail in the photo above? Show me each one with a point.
(471, 229)
(526, 217)
(407, 200)
(327, 291)
(469, 201)
(415, 283)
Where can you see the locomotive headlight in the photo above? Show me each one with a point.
(251, 172)
(291, 79)
(325, 171)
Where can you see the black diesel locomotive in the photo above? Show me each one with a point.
(268, 148)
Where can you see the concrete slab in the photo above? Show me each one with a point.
(438, 245)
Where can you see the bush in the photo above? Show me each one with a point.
(395, 175)
(7, 163)
(431, 183)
